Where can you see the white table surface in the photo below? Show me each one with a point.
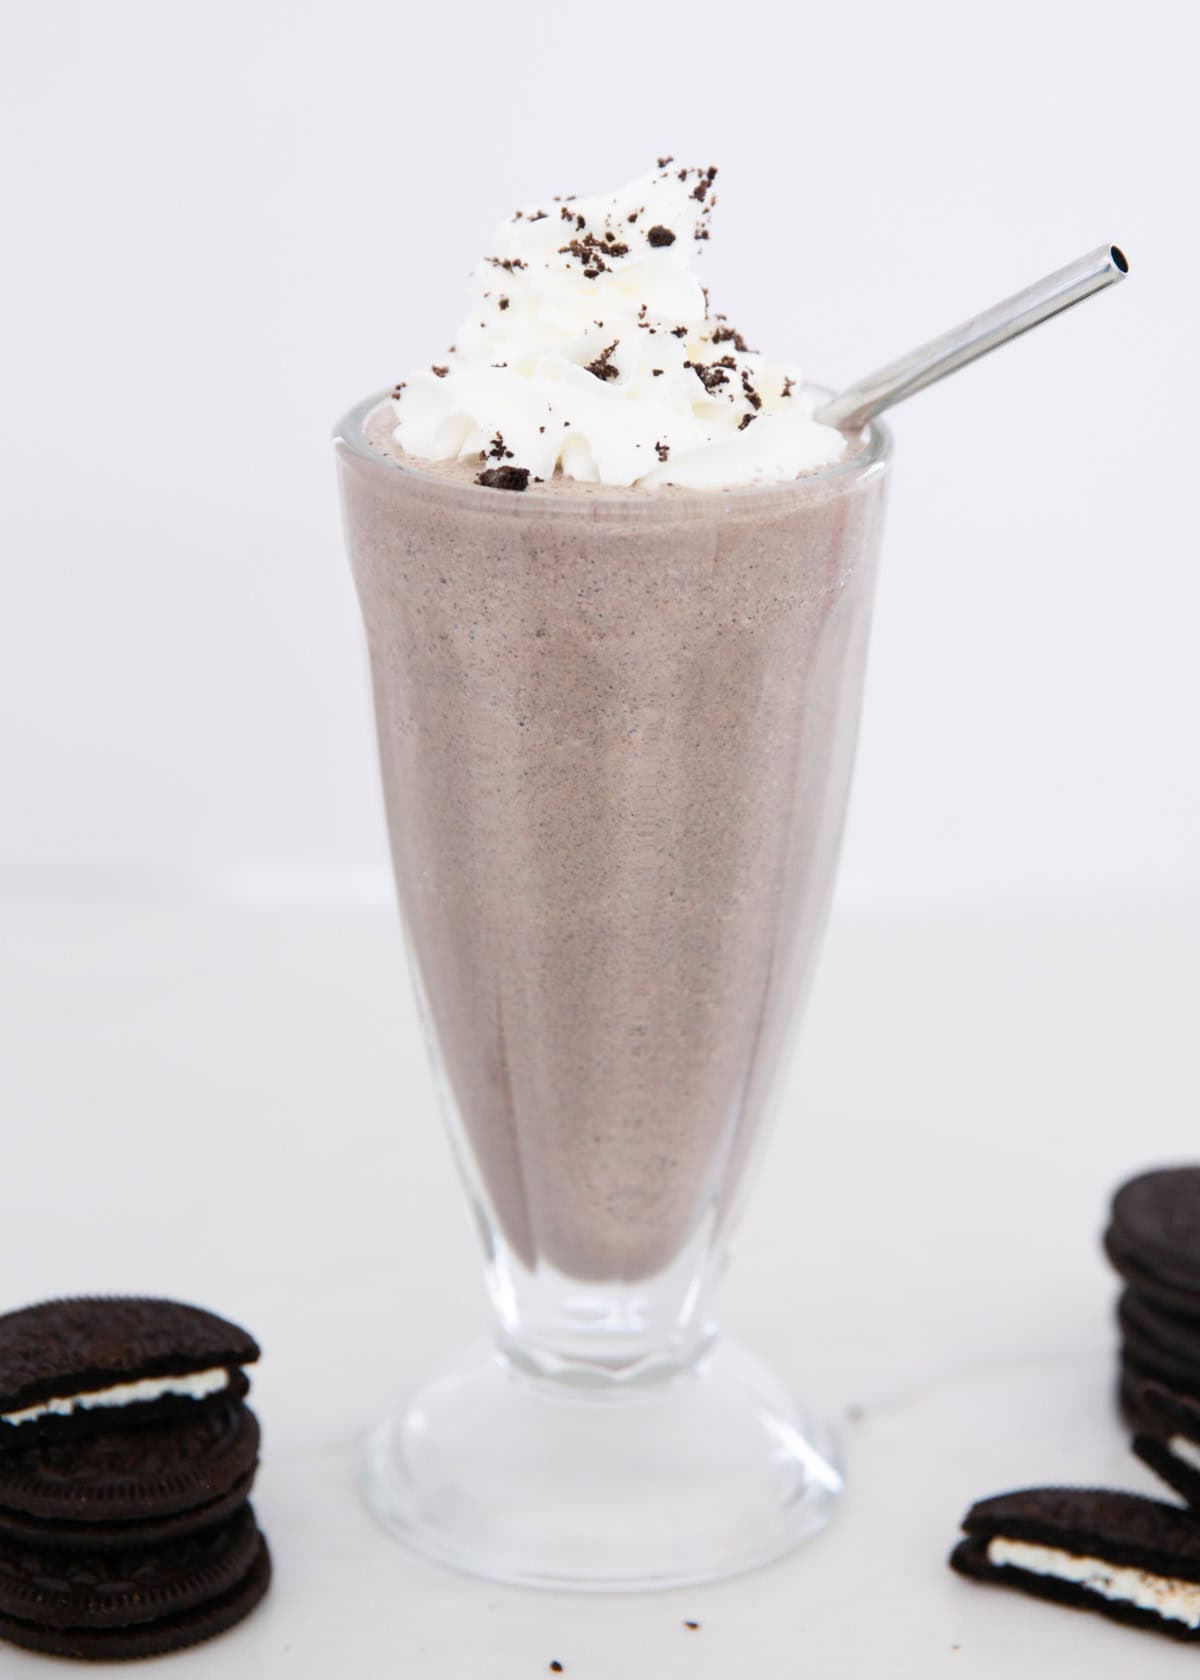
(231, 1106)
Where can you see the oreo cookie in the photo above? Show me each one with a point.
(1167, 1438)
(87, 1364)
(131, 1486)
(1155, 1226)
(1163, 1345)
(137, 1602)
(1131, 1559)
(1168, 1297)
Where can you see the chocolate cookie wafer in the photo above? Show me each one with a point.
(1155, 1226)
(1152, 1336)
(1167, 1438)
(1168, 1297)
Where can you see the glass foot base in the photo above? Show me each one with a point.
(542, 1484)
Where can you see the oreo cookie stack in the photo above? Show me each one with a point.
(127, 1455)
(1153, 1240)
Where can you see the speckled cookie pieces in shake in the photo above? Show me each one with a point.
(616, 729)
(616, 714)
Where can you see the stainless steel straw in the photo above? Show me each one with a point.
(933, 361)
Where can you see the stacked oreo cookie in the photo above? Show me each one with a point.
(1134, 1560)
(1153, 1240)
(127, 1455)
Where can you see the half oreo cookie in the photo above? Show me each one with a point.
(73, 1366)
(1133, 1560)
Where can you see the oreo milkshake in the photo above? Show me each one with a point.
(616, 583)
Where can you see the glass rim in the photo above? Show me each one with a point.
(350, 434)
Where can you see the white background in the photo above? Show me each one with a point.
(226, 222)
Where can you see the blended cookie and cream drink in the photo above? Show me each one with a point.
(616, 583)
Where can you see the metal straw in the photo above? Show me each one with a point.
(933, 361)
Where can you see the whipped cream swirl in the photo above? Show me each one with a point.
(590, 350)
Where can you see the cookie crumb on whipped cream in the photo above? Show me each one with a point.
(602, 362)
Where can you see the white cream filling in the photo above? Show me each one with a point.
(1175, 1601)
(1184, 1449)
(196, 1385)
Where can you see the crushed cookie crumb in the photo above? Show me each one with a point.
(503, 302)
(745, 421)
(711, 377)
(441, 371)
(788, 386)
(693, 1625)
(662, 450)
(679, 332)
(659, 235)
(556, 1668)
(632, 216)
(591, 252)
(504, 478)
(602, 366)
(708, 176)
(497, 451)
(730, 335)
(508, 264)
(656, 373)
(664, 161)
(752, 396)
(396, 389)
(539, 216)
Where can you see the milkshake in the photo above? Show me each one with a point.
(616, 583)
(616, 735)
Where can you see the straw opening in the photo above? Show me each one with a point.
(1119, 257)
